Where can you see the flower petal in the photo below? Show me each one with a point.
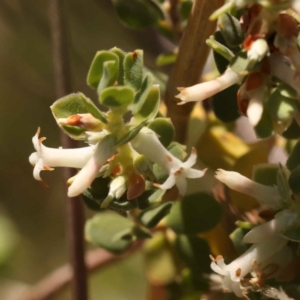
(191, 160)
(181, 184)
(169, 183)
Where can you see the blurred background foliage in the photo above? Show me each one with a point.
(34, 216)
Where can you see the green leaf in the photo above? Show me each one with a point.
(292, 132)
(133, 69)
(100, 188)
(97, 67)
(109, 76)
(110, 231)
(152, 215)
(143, 166)
(138, 13)
(90, 202)
(241, 64)
(222, 56)
(279, 106)
(282, 184)
(194, 213)
(265, 174)
(294, 159)
(194, 252)
(121, 56)
(293, 234)
(166, 59)
(142, 94)
(150, 107)
(294, 180)
(131, 134)
(117, 96)
(74, 132)
(143, 201)
(264, 128)
(237, 239)
(164, 129)
(74, 104)
(220, 49)
(231, 30)
(225, 104)
(157, 196)
(178, 150)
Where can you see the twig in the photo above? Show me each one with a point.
(191, 59)
(75, 215)
(56, 281)
(174, 17)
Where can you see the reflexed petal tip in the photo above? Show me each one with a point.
(191, 160)
(221, 175)
(182, 95)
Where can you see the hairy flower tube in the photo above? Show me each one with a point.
(148, 144)
(89, 159)
(239, 268)
(207, 89)
(284, 220)
(47, 158)
(103, 151)
(251, 96)
(287, 217)
(267, 195)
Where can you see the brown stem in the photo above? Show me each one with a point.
(75, 214)
(175, 17)
(57, 280)
(191, 59)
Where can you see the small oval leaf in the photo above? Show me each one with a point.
(138, 13)
(107, 230)
(294, 159)
(117, 96)
(96, 69)
(149, 109)
(194, 252)
(133, 69)
(164, 129)
(194, 213)
(152, 215)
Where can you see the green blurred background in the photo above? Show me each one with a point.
(32, 217)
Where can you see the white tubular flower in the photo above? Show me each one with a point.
(117, 189)
(148, 144)
(259, 49)
(240, 267)
(283, 221)
(103, 151)
(207, 89)
(272, 267)
(267, 195)
(46, 158)
(273, 293)
(255, 108)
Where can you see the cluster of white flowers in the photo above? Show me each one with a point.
(269, 246)
(92, 158)
(283, 62)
